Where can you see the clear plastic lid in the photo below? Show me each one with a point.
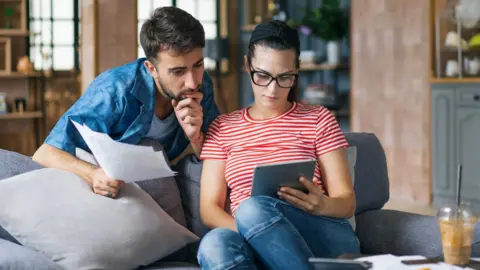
(453, 212)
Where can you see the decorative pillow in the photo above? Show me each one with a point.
(11, 164)
(163, 190)
(56, 213)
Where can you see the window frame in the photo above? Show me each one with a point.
(218, 22)
(52, 45)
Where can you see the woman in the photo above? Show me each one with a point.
(283, 232)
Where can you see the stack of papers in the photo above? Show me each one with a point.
(392, 262)
(123, 161)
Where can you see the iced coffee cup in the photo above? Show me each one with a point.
(456, 228)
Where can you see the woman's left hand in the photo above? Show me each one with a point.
(311, 202)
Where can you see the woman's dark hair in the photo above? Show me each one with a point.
(171, 28)
(276, 35)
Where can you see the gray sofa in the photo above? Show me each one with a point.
(379, 231)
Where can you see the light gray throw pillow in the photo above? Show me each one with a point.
(56, 213)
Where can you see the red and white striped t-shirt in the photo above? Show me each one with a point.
(303, 132)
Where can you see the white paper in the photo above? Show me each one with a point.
(392, 262)
(123, 161)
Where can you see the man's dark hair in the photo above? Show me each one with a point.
(276, 35)
(171, 28)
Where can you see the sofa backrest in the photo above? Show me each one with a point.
(371, 173)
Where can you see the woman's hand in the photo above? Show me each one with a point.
(311, 202)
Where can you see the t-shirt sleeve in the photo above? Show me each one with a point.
(212, 146)
(328, 135)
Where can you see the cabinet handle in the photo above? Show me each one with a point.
(476, 97)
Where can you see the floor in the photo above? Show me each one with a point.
(411, 207)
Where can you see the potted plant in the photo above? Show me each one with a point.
(329, 22)
(8, 13)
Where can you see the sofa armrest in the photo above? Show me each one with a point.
(398, 233)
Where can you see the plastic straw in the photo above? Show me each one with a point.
(459, 186)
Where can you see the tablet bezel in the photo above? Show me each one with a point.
(276, 176)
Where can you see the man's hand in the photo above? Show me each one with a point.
(311, 202)
(189, 113)
(104, 185)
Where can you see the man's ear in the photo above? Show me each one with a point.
(151, 68)
(245, 62)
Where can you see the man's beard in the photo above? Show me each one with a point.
(167, 92)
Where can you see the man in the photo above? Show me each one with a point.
(167, 97)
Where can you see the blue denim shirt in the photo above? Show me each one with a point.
(121, 103)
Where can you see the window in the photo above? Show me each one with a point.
(204, 10)
(55, 41)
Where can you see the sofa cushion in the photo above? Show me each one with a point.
(351, 155)
(188, 179)
(12, 163)
(13, 256)
(165, 190)
(371, 173)
(56, 213)
(398, 233)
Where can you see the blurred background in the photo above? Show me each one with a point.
(407, 71)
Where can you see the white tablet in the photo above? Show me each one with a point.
(268, 178)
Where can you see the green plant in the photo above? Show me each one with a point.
(8, 12)
(329, 22)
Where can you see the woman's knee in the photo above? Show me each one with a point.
(256, 212)
(222, 248)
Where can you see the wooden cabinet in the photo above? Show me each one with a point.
(455, 43)
(455, 140)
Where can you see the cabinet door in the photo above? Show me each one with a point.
(443, 151)
(468, 150)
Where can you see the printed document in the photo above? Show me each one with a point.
(123, 161)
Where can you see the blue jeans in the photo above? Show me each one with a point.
(276, 235)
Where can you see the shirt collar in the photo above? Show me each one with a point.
(144, 86)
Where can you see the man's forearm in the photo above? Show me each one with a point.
(51, 157)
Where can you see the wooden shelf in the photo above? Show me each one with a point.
(248, 27)
(19, 116)
(455, 50)
(455, 80)
(14, 32)
(14, 75)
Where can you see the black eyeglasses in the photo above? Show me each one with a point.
(262, 78)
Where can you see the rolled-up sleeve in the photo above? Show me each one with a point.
(97, 108)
